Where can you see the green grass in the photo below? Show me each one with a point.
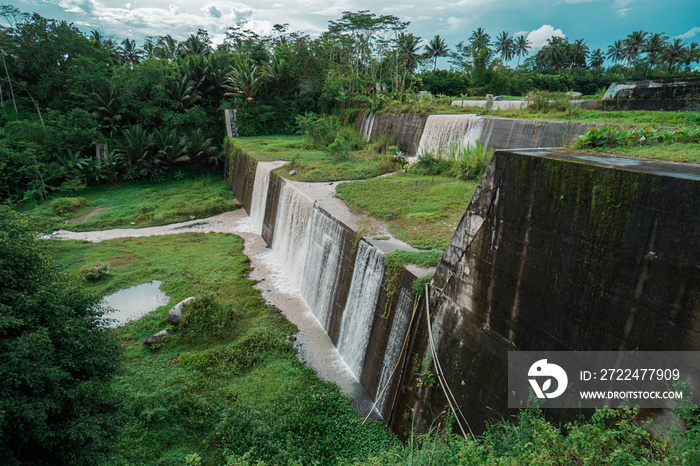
(675, 152)
(227, 382)
(625, 118)
(314, 164)
(421, 210)
(143, 203)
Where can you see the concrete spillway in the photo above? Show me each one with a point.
(415, 134)
(338, 275)
(556, 251)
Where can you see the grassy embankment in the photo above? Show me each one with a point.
(313, 164)
(421, 210)
(226, 384)
(135, 204)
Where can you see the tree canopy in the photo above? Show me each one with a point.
(55, 356)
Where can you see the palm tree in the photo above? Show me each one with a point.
(193, 45)
(407, 49)
(171, 147)
(183, 91)
(616, 51)
(579, 54)
(654, 47)
(691, 54)
(108, 108)
(436, 48)
(633, 45)
(555, 53)
(245, 80)
(217, 69)
(596, 59)
(134, 145)
(505, 46)
(130, 53)
(522, 45)
(200, 147)
(673, 54)
(167, 48)
(480, 39)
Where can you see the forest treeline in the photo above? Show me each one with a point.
(159, 104)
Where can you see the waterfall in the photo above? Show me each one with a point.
(323, 260)
(259, 199)
(397, 334)
(367, 125)
(443, 131)
(474, 132)
(291, 236)
(361, 304)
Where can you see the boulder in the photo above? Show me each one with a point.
(155, 339)
(175, 313)
(292, 173)
(574, 95)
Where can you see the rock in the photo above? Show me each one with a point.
(292, 173)
(489, 98)
(574, 95)
(498, 97)
(175, 313)
(155, 339)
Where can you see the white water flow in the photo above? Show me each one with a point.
(443, 131)
(397, 334)
(474, 132)
(290, 241)
(367, 125)
(259, 200)
(361, 304)
(323, 260)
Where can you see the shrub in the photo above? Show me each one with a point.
(546, 101)
(318, 131)
(67, 204)
(473, 161)
(339, 149)
(94, 272)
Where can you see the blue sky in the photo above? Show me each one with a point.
(600, 22)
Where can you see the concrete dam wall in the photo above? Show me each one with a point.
(560, 251)
(556, 251)
(340, 275)
(416, 134)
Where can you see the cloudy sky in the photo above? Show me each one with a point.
(600, 22)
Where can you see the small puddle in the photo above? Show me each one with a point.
(132, 303)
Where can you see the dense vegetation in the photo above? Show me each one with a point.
(56, 358)
(65, 95)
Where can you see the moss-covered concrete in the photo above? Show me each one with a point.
(561, 251)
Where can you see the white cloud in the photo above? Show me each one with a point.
(539, 37)
(621, 6)
(455, 23)
(692, 33)
(77, 6)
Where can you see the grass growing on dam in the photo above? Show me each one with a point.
(317, 164)
(226, 386)
(421, 210)
(675, 152)
(135, 204)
